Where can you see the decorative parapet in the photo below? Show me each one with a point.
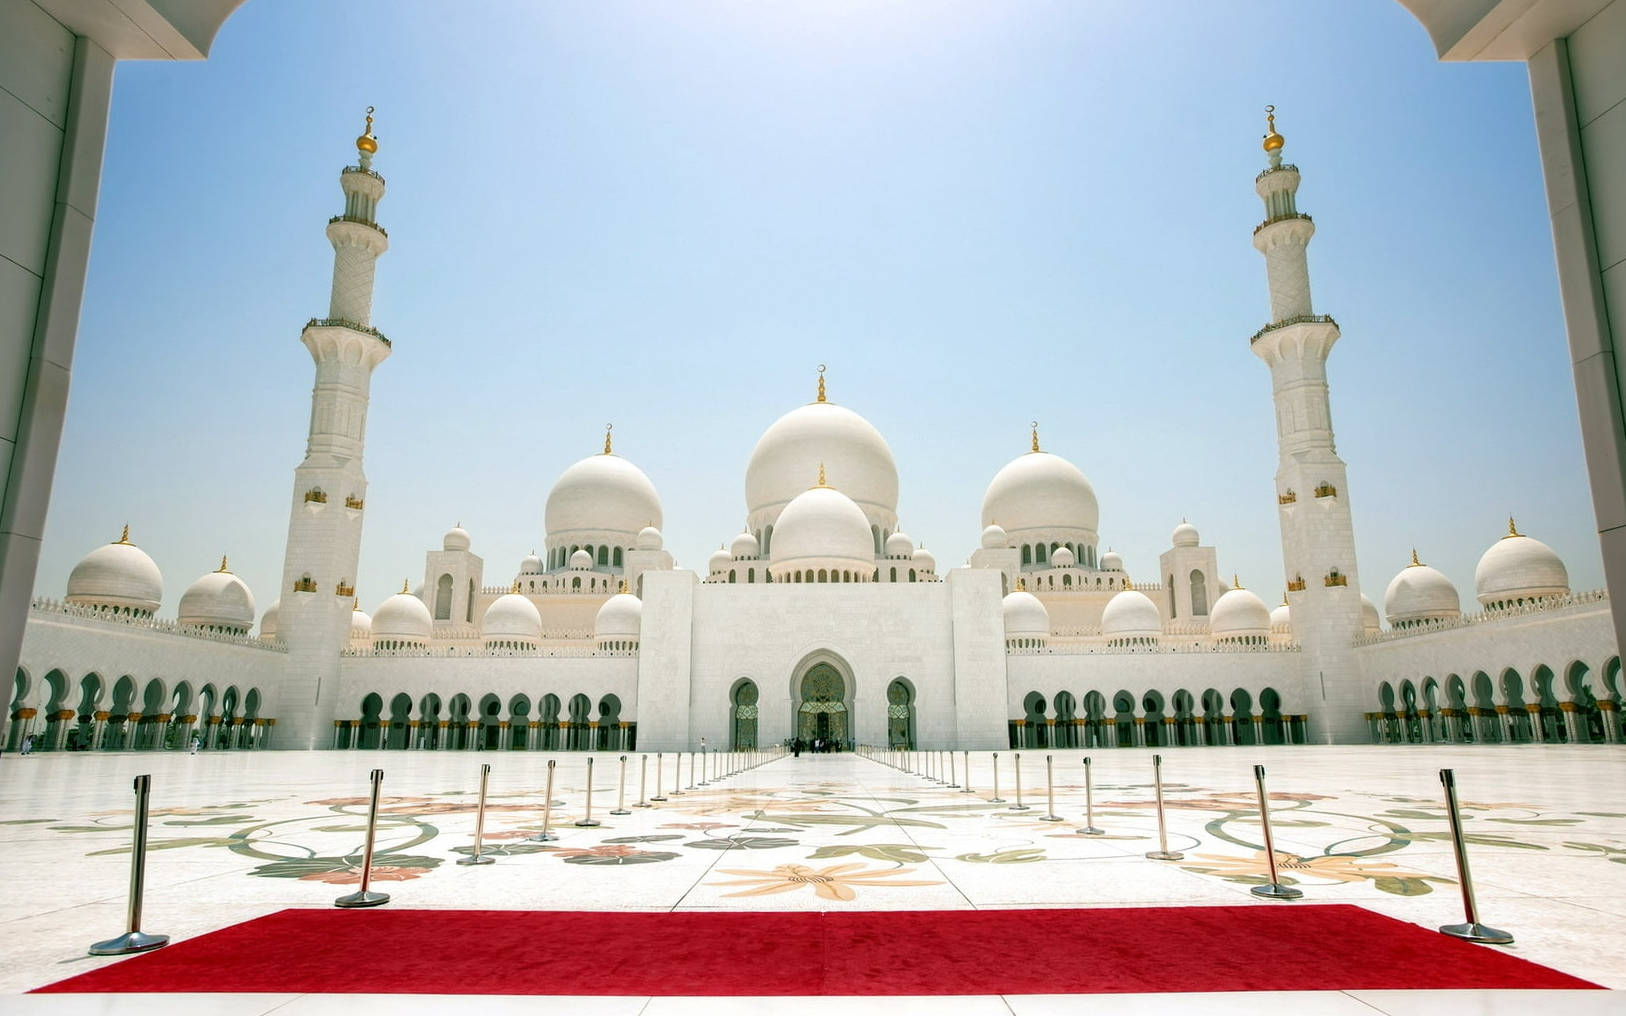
(343, 590)
(1287, 498)
(1297, 319)
(1541, 606)
(353, 502)
(1335, 578)
(1054, 648)
(56, 610)
(461, 652)
(355, 326)
(360, 222)
(1325, 490)
(1296, 584)
(1282, 218)
(316, 495)
(1286, 167)
(305, 585)
(364, 171)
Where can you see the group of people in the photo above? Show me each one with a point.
(818, 746)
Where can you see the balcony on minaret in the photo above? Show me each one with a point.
(353, 503)
(305, 584)
(346, 591)
(1287, 498)
(364, 222)
(1283, 217)
(1326, 490)
(1296, 584)
(1336, 578)
(316, 495)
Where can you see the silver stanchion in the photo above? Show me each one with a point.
(1163, 853)
(1089, 805)
(479, 822)
(967, 788)
(1016, 767)
(996, 799)
(1473, 931)
(545, 835)
(704, 779)
(1274, 890)
(587, 818)
(954, 781)
(677, 773)
(621, 791)
(362, 897)
(135, 940)
(658, 796)
(1050, 791)
(643, 779)
(692, 784)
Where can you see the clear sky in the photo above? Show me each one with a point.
(666, 215)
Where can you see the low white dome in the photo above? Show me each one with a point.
(531, 565)
(791, 450)
(899, 545)
(1238, 613)
(511, 617)
(1185, 535)
(1062, 557)
(268, 621)
(1281, 617)
(925, 561)
(619, 617)
(1517, 567)
(649, 538)
(217, 600)
(1131, 614)
(601, 493)
(361, 625)
(456, 538)
(719, 561)
(118, 575)
(744, 546)
(1025, 615)
(995, 538)
(581, 560)
(1420, 593)
(1370, 620)
(1110, 561)
(1041, 491)
(402, 617)
(822, 525)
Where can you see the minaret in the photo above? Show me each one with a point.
(330, 490)
(1312, 492)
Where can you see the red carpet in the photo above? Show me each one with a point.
(944, 952)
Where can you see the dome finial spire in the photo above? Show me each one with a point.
(1021, 584)
(223, 569)
(1414, 562)
(404, 584)
(1512, 530)
(821, 388)
(367, 145)
(1236, 583)
(516, 587)
(821, 474)
(607, 428)
(1035, 426)
(125, 536)
(1273, 141)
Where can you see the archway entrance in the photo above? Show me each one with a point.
(821, 709)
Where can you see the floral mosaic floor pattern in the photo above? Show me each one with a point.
(237, 836)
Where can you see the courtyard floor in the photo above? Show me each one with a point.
(238, 835)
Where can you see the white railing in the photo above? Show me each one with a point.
(1102, 649)
(1544, 605)
(44, 608)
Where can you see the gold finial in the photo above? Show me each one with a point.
(624, 588)
(367, 143)
(821, 474)
(1035, 426)
(607, 428)
(223, 569)
(125, 536)
(1512, 530)
(1236, 583)
(1021, 584)
(404, 584)
(355, 604)
(516, 587)
(1284, 597)
(1273, 142)
(821, 386)
(1414, 562)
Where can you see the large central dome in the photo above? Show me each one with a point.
(601, 494)
(853, 452)
(1040, 493)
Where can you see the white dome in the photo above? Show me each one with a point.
(402, 617)
(621, 615)
(1370, 620)
(925, 561)
(995, 538)
(1420, 593)
(719, 561)
(1239, 612)
(1185, 535)
(1025, 615)
(822, 525)
(601, 493)
(1517, 567)
(1062, 557)
(361, 625)
(456, 538)
(217, 600)
(581, 560)
(1281, 617)
(1040, 491)
(1131, 614)
(511, 617)
(531, 565)
(744, 546)
(1110, 561)
(899, 545)
(788, 456)
(117, 575)
(649, 538)
(268, 621)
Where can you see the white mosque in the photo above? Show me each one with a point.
(821, 619)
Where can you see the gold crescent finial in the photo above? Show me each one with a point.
(1035, 426)
(516, 587)
(1236, 583)
(125, 536)
(367, 144)
(355, 604)
(821, 391)
(1512, 530)
(1021, 584)
(624, 588)
(1414, 562)
(223, 567)
(404, 584)
(821, 474)
(607, 428)
(1273, 142)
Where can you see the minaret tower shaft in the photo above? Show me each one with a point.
(1312, 492)
(330, 489)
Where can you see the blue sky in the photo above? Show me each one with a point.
(667, 214)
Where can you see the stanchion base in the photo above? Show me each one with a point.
(967, 790)
(477, 859)
(619, 811)
(1018, 807)
(586, 822)
(1477, 933)
(645, 804)
(1164, 855)
(133, 942)
(1276, 891)
(366, 899)
(657, 797)
(996, 800)
(1050, 818)
(542, 838)
(953, 786)
(1090, 830)
(677, 793)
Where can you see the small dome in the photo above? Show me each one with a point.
(118, 575)
(1516, 568)
(361, 625)
(1420, 593)
(719, 561)
(1041, 491)
(1370, 621)
(822, 525)
(1062, 557)
(649, 538)
(1131, 614)
(268, 621)
(402, 617)
(744, 546)
(1281, 617)
(456, 538)
(925, 561)
(899, 545)
(581, 560)
(511, 617)
(1240, 612)
(531, 565)
(217, 600)
(1025, 615)
(619, 617)
(601, 493)
(1110, 561)
(1185, 535)
(995, 538)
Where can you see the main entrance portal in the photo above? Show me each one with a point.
(822, 713)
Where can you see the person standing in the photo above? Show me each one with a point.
(28, 745)
(195, 744)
